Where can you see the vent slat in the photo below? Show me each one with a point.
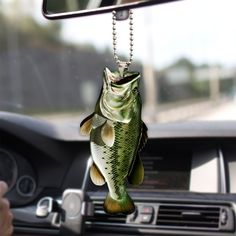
(174, 208)
(188, 216)
(199, 210)
(188, 222)
(100, 216)
(180, 217)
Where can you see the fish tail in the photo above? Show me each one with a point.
(124, 205)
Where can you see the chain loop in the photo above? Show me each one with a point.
(122, 65)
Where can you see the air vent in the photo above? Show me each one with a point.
(191, 217)
(102, 218)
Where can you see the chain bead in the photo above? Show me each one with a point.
(131, 34)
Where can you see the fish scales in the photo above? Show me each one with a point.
(117, 134)
(114, 162)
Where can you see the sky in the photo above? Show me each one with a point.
(201, 30)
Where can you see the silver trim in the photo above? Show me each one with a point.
(86, 174)
(31, 193)
(222, 173)
(44, 210)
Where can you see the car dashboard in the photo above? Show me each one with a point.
(189, 185)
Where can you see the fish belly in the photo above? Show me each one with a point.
(114, 162)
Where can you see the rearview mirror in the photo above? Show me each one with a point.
(60, 9)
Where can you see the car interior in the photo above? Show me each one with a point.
(51, 65)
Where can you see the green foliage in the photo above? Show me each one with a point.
(30, 30)
(183, 62)
(227, 86)
(27, 32)
(200, 88)
(190, 89)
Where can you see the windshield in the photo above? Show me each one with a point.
(184, 50)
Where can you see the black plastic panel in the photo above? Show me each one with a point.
(58, 158)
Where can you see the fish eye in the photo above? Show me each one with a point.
(135, 90)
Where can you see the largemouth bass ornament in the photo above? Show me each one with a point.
(117, 134)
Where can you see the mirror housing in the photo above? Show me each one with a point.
(62, 9)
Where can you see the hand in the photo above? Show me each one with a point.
(6, 217)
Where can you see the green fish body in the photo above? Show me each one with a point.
(117, 134)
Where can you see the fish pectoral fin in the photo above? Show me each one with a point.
(98, 121)
(144, 137)
(86, 125)
(124, 205)
(136, 174)
(108, 134)
(96, 176)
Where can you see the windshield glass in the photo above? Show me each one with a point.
(184, 50)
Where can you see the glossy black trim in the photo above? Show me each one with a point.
(57, 16)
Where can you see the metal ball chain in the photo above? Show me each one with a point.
(122, 64)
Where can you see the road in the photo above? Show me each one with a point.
(197, 111)
(226, 111)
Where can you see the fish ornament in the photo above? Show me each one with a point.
(117, 135)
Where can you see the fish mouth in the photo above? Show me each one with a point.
(117, 83)
(129, 77)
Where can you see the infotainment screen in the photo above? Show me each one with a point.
(166, 172)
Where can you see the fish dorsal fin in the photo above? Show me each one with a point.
(144, 137)
(96, 176)
(86, 125)
(136, 174)
(108, 134)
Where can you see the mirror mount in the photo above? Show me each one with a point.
(64, 12)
